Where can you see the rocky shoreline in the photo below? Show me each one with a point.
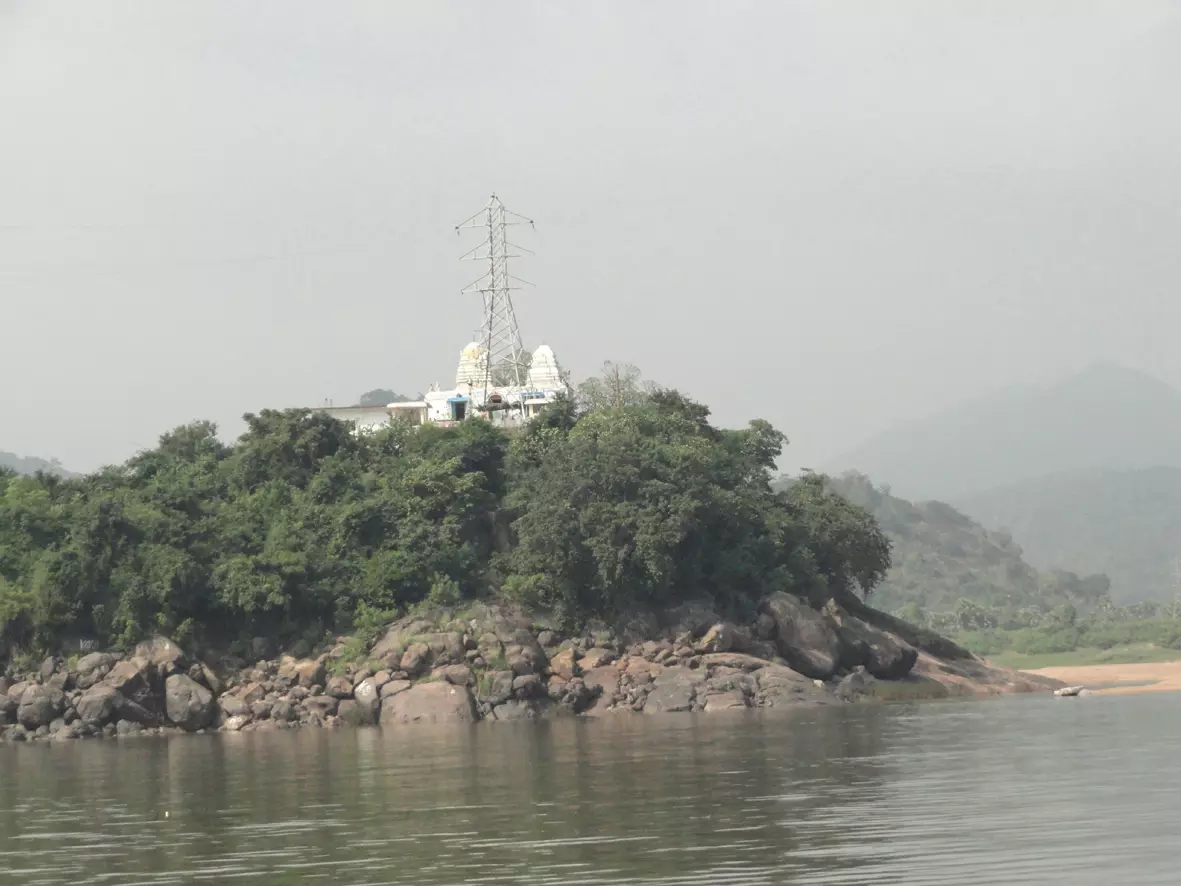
(495, 662)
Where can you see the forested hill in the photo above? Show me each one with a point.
(31, 465)
(302, 527)
(1105, 418)
(1124, 523)
(946, 566)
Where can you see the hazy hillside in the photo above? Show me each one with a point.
(1124, 523)
(940, 557)
(31, 465)
(1103, 418)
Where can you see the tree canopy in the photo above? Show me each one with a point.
(299, 525)
(380, 397)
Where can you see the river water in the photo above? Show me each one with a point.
(1031, 790)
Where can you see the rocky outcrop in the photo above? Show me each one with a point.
(189, 704)
(807, 640)
(883, 654)
(39, 706)
(434, 702)
(497, 663)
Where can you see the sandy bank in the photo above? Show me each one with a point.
(1162, 676)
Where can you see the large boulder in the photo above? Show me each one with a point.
(429, 703)
(518, 709)
(233, 705)
(730, 700)
(781, 687)
(417, 659)
(164, 655)
(39, 706)
(136, 679)
(365, 707)
(675, 690)
(90, 669)
(188, 704)
(99, 705)
(565, 664)
(309, 673)
(857, 685)
(719, 638)
(884, 655)
(805, 638)
(524, 653)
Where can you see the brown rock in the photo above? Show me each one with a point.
(596, 658)
(719, 638)
(564, 664)
(429, 703)
(393, 687)
(91, 668)
(417, 659)
(456, 674)
(339, 687)
(309, 673)
(725, 701)
(528, 686)
(732, 660)
(321, 706)
(674, 690)
(164, 655)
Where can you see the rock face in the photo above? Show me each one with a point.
(675, 690)
(91, 668)
(99, 704)
(429, 703)
(497, 663)
(39, 706)
(884, 655)
(808, 641)
(189, 704)
(367, 702)
(136, 679)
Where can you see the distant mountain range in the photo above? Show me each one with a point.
(1124, 523)
(31, 465)
(1104, 418)
(940, 556)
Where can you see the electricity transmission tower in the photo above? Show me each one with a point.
(506, 358)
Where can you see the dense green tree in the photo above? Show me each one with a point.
(628, 499)
(381, 397)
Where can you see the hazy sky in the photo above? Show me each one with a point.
(832, 216)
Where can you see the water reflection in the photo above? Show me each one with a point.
(972, 793)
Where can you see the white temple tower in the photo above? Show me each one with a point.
(544, 372)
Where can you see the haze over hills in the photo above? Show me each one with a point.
(939, 556)
(1124, 523)
(32, 464)
(1104, 418)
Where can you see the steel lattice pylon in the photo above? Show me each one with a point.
(507, 360)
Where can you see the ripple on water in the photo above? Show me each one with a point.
(1013, 791)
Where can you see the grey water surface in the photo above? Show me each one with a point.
(1025, 790)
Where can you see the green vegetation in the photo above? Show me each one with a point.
(302, 527)
(953, 576)
(1134, 654)
(1126, 524)
(380, 397)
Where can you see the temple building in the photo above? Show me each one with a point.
(473, 396)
